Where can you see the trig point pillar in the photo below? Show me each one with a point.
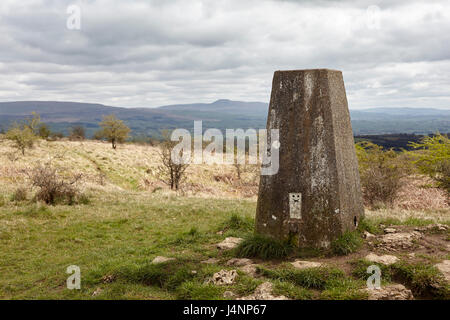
(316, 194)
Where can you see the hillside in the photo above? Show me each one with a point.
(220, 114)
(129, 217)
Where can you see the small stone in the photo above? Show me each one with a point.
(444, 267)
(223, 277)
(368, 235)
(108, 278)
(390, 292)
(160, 259)
(299, 264)
(385, 259)
(249, 269)
(210, 261)
(239, 262)
(411, 255)
(229, 243)
(263, 292)
(228, 294)
(97, 292)
(194, 271)
(390, 230)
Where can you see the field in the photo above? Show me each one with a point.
(128, 217)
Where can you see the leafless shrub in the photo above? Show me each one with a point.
(52, 188)
(169, 172)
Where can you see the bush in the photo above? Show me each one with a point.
(348, 242)
(52, 187)
(433, 158)
(20, 194)
(381, 173)
(77, 133)
(263, 247)
(43, 131)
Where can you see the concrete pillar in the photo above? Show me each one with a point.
(316, 194)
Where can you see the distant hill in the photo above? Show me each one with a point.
(220, 114)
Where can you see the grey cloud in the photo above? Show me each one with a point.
(149, 53)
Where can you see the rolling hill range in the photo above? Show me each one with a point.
(220, 114)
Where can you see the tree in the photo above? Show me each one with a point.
(22, 136)
(169, 172)
(43, 131)
(113, 130)
(432, 157)
(77, 133)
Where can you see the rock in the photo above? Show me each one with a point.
(97, 292)
(390, 230)
(299, 264)
(229, 243)
(249, 269)
(210, 261)
(411, 255)
(402, 240)
(433, 228)
(368, 235)
(263, 292)
(385, 259)
(390, 292)
(223, 277)
(444, 267)
(228, 294)
(239, 262)
(160, 259)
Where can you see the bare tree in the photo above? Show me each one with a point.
(170, 172)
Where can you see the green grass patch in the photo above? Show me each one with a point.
(344, 289)
(370, 226)
(359, 270)
(310, 278)
(423, 280)
(35, 211)
(167, 275)
(284, 288)
(347, 243)
(258, 246)
(193, 290)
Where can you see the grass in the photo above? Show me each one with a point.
(332, 282)
(115, 232)
(310, 278)
(291, 291)
(263, 247)
(423, 279)
(347, 243)
(126, 229)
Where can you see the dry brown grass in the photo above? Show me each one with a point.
(418, 193)
(132, 168)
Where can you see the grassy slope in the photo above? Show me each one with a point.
(124, 226)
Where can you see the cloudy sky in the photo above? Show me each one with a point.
(151, 53)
